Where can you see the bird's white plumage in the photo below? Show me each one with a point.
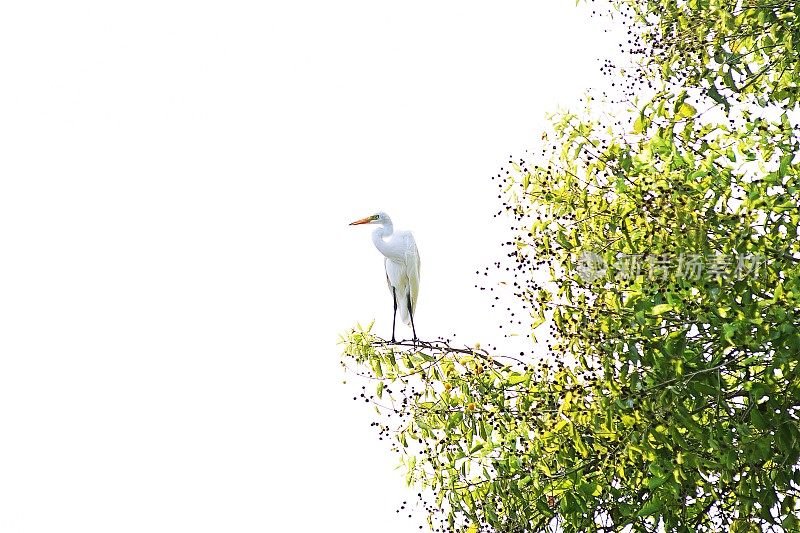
(401, 262)
(402, 272)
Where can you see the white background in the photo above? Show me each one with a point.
(176, 180)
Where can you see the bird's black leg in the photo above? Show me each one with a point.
(413, 330)
(394, 316)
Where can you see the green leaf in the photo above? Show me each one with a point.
(562, 240)
(717, 97)
(638, 125)
(650, 508)
(758, 419)
(686, 111)
(727, 77)
(783, 168)
(590, 489)
(660, 309)
(516, 378)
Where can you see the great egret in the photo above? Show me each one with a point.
(402, 266)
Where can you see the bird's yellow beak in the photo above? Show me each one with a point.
(362, 221)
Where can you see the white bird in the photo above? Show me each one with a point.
(402, 266)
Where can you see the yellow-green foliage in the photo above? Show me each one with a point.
(680, 411)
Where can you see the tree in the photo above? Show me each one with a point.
(667, 398)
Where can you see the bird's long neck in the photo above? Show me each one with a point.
(385, 230)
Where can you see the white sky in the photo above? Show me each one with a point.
(176, 180)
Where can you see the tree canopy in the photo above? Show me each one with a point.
(657, 243)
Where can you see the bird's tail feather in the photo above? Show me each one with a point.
(402, 307)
